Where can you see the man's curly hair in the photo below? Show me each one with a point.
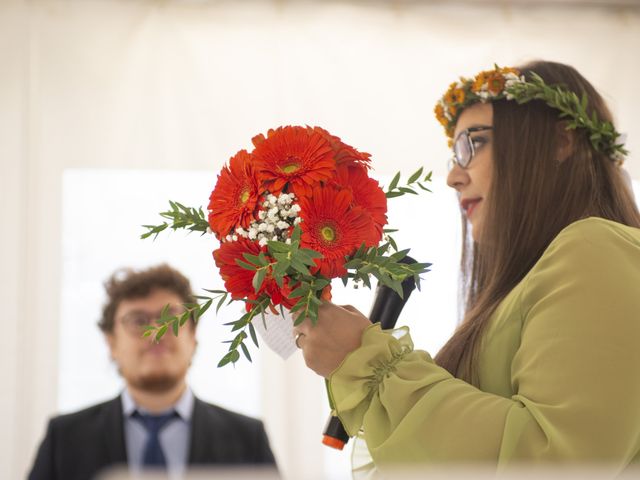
(127, 284)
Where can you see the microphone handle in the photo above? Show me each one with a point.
(386, 309)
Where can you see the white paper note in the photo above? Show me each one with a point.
(278, 334)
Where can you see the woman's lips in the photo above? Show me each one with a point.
(469, 205)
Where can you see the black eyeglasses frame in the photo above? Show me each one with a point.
(464, 136)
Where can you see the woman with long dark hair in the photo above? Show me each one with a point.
(544, 366)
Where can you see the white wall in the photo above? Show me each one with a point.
(184, 84)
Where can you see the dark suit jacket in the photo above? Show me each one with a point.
(78, 445)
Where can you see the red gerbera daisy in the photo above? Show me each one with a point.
(238, 281)
(233, 200)
(366, 194)
(332, 227)
(344, 154)
(294, 156)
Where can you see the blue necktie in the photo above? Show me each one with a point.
(153, 455)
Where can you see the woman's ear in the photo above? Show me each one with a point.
(566, 141)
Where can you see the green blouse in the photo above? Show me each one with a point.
(559, 369)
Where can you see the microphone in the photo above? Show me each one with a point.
(386, 309)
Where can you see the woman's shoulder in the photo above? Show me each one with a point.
(590, 259)
(589, 248)
(596, 232)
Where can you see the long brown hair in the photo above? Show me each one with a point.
(533, 197)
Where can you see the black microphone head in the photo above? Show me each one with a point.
(387, 304)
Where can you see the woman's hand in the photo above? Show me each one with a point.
(337, 333)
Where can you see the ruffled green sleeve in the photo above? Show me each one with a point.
(574, 377)
(411, 409)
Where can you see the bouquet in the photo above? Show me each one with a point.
(297, 211)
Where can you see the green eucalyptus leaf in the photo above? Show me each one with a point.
(301, 291)
(213, 291)
(221, 302)
(394, 182)
(415, 176)
(299, 266)
(320, 283)
(393, 194)
(279, 247)
(295, 235)
(246, 266)
(249, 257)
(252, 333)
(311, 253)
(245, 350)
(176, 326)
(258, 279)
(161, 331)
(231, 357)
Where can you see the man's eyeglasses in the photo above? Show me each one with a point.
(136, 321)
(464, 146)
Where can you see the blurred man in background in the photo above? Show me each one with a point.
(156, 421)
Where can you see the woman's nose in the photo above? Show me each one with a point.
(457, 176)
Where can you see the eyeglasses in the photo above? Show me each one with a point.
(464, 146)
(136, 321)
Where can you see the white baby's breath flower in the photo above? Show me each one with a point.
(288, 241)
(282, 225)
(262, 227)
(262, 214)
(234, 238)
(270, 228)
(228, 238)
(297, 220)
(263, 241)
(253, 233)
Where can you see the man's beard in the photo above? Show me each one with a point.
(156, 383)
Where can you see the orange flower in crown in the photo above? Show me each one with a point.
(487, 85)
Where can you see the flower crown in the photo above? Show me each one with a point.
(509, 84)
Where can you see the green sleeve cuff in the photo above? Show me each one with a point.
(355, 382)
